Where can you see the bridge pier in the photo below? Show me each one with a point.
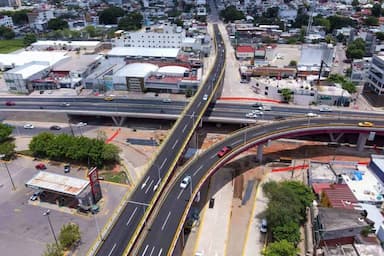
(118, 121)
(361, 141)
(260, 152)
(332, 137)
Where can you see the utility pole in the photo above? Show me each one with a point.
(46, 213)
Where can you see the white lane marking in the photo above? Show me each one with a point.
(113, 248)
(130, 218)
(185, 127)
(199, 104)
(174, 145)
(161, 166)
(166, 220)
(181, 192)
(213, 156)
(145, 183)
(201, 166)
(161, 250)
(150, 184)
(237, 142)
(145, 250)
(153, 248)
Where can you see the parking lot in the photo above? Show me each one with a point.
(23, 222)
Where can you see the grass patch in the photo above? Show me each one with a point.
(117, 177)
(7, 46)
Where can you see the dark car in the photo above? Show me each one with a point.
(55, 127)
(224, 151)
(40, 166)
(10, 103)
(67, 168)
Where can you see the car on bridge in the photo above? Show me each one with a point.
(205, 97)
(28, 126)
(224, 151)
(10, 103)
(325, 109)
(185, 182)
(108, 98)
(365, 124)
(311, 114)
(65, 104)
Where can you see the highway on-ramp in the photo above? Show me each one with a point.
(131, 217)
(162, 234)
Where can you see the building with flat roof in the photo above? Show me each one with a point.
(314, 57)
(88, 46)
(18, 79)
(60, 189)
(144, 52)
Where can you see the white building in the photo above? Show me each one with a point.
(375, 76)
(38, 19)
(140, 52)
(6, 21)
(18, 79)
(88, 46)
(162, 36)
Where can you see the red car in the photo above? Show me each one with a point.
(41, 166)
(10, 103)
(224, 151)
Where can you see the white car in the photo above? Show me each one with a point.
(65, 104)
(205, 97)
(185, 182)
(28, 126)
(251, 115)
(263, 226)
(167, 100)
(257, 112)
(325, 109)
(310, 114)
(81, 124)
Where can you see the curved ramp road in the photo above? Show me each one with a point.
(162, 235)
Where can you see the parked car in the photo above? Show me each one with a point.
(28, 126)
(55, 128)
(10, 103)
(35, 195)
(67, 168)
(185, 182)
(40, 166)
(263, 226)
(224, 151)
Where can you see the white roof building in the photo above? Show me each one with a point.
(172, 70)
(144, 52)
(8, 61)
(136, 70)
(67, 45)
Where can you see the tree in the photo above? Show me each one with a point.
(289, 231)
(5, 131)
(337, 22)
(7, 149)
(380, 36)
(231, 13)
(320, 21)
(69, 235)
(91, 31)
(355, 3)
(286, 93)
(356, 49)
(281, 248)
(53, 250)
(29, 39)
(292, 63)
(56, 24)
(110, 15)
(376, 10)
(371, 21)
(132, 21)
(110, 153)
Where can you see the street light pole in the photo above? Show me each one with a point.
(9, 174)
(46, 213)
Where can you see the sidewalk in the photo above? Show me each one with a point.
(214, 224)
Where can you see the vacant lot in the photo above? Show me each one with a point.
(7, 46)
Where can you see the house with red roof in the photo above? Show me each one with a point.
(245, 52)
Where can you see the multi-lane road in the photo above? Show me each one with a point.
(157, 109)
(163, 233)
(145, 194)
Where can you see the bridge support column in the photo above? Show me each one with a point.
(260, 152)
(333, 139)
(117, 120)
(361, 141)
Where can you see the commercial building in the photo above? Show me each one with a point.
(375, 77)
(62, 190)
(87, 46)
(245, 52)
(313, 58)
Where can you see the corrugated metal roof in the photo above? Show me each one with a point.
(58, 183)
(341, 196)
